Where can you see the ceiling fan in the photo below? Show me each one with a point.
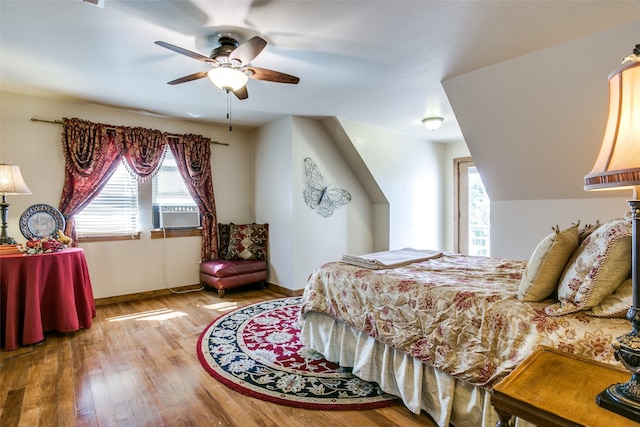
(230, 62)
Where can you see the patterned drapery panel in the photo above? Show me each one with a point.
(193, 157)
(91, 157)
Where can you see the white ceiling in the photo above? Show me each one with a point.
(376, 62)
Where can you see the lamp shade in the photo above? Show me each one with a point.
(11, 181)
(227, 78)
(618, 164)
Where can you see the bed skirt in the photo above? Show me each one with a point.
(421, 387)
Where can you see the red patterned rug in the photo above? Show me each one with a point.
(256, 350)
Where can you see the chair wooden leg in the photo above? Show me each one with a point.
(221, 293)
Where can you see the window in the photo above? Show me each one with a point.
(114, 211)
(173, 206)
(479, 222)
(473, 210)
(168, 187)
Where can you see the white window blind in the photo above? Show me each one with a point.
(114, 210)
(168, 187)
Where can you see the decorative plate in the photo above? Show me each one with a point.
(40, 221)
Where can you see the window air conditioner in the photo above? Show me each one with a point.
(175, 217)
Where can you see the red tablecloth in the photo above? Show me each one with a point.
(41, 293)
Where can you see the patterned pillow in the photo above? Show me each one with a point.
(544, 269)
(223, 240)
(586, 231)
(617, 304)
(248, 241)
(596, 269)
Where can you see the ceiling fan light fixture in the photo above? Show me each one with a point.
(432, 123)
(227, 78)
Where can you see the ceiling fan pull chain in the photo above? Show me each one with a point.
(229, 109)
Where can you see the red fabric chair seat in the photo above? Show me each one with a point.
(226, 268)
(223, 274)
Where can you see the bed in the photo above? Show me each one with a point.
(441, 332)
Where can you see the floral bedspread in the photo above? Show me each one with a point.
(457, 313)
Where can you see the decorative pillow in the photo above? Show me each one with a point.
(617, 304)
(586, 231)
(544, 269)
(596, 268)
(223, 239)
(248, 241)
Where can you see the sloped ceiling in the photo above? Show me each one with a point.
(534, 124)
(374, 62)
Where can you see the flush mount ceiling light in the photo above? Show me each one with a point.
(227, 78)
(432, 123)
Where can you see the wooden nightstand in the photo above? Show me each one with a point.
(551, 388)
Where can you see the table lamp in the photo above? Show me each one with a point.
(11, 183)
(618, 167)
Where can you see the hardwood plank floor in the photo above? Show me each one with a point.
(137, 366)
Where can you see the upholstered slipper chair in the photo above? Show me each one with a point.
(242, 257)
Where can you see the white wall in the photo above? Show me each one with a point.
(300, 239)
(122, 267)
(410, 174)
(517, 226)
(273, 202)
(349, 230)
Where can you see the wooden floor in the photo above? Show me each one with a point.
(137, 366)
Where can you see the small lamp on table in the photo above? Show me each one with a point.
(11, 183)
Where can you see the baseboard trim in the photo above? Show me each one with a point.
(288, 292)
(144, 295)
(163, 292)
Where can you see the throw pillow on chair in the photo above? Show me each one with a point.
(242, 259)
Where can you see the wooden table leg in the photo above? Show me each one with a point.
(504, 418)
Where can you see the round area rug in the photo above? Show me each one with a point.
(256, 350)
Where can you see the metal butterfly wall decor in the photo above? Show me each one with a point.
(318, 195)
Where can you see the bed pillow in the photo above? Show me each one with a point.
(248, 241)
(223, 239)
(596, 269)
(548, 261)
(617, 304)
(586, 231)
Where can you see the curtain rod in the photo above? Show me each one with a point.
(60, 122)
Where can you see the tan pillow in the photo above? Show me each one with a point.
(617, 304)
(596, 269)
(544, 269)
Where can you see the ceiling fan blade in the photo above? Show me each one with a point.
(271, 76)
(186, 52)
(241, 93)
(248, 50)
(194, 76)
